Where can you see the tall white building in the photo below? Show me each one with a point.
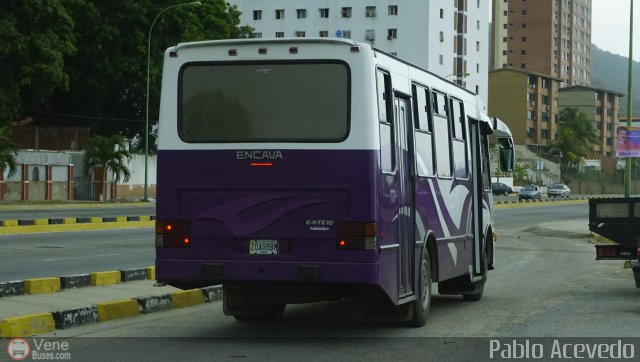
(447, 37)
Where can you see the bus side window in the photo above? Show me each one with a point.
(460, 157)
(441, 134)
(440, 104)
(486, 170)
(424, 131)
(385, 117)
(458, 119)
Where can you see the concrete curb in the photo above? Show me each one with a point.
(31, 324)
(544, 201)
(76, 204)
(78, 224)
(56, 284)
(75, 220)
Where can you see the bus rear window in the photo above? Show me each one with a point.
(283, 102)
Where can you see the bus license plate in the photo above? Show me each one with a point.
(263, 247)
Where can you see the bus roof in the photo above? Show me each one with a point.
(346, 42)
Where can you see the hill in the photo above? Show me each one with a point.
(609, 71)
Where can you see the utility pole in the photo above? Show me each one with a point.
(627, 164)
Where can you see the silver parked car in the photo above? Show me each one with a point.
(530, 192)
(558, 190)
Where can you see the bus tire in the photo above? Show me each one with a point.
(420, 307)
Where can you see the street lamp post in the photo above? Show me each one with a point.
(146, 120)
(458, 77)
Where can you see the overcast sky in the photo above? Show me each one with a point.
(610, 26)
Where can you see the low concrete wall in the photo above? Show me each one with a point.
(13, 191)
(60, 191)
(37, 190)
(134, 191)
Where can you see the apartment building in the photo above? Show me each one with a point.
(600, 105)
(545, 36)
(527, 102)
(448, 38)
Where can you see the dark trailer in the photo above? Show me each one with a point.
(617, 219)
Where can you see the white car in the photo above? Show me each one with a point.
(558, 190)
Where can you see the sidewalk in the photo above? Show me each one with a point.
(27, 315)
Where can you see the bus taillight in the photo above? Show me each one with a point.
(356, 236)
(173, 233)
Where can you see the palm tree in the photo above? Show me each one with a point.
(8, 151)
(576, 138)
(568, 146)
(519, 173)
(586, 136)
(110, 154)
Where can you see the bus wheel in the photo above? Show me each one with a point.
(478, 287)
(421, 305)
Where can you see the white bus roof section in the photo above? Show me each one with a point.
(249, 41)
(500, 128)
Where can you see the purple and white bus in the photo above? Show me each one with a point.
(310, 169)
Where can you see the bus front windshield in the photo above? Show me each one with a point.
(283, 102)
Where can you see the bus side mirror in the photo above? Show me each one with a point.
(507, 161)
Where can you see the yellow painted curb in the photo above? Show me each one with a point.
(41, 222)
(10, 223)
(42, 285)
(69, 220)
(27, 325)
(96, 219)
(117, 309)
(151, 273)
(121, 218)
(146, 218)
(30, 229)
(105, 277)
(187, 298)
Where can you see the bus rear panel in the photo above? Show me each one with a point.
(263, 177)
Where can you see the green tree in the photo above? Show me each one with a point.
(110, 154)
(108, 74)
(36, 37)
(576, 138)
(8, 151)
(568, 147)
(586, 136)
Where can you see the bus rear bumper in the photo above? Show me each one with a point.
(207, 272)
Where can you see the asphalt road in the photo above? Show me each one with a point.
(543, 286)
(66, 253)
